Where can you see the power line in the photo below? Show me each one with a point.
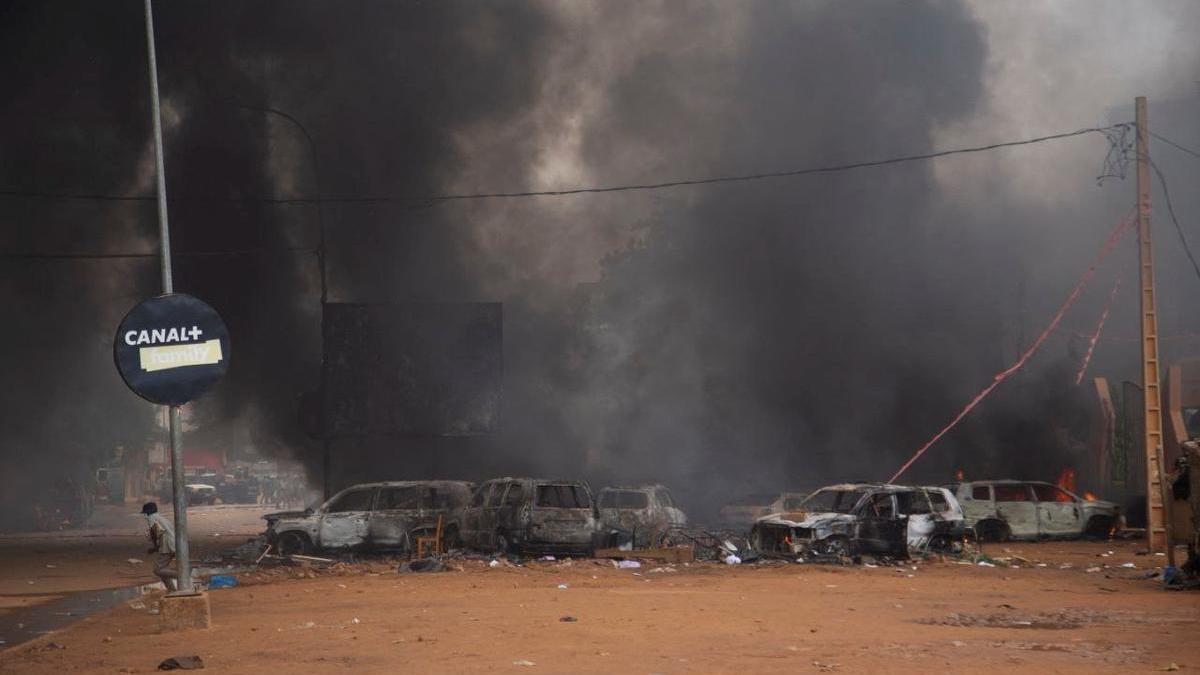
(432, 200)
(1176, 145)
(1171, 210)
(137, 256)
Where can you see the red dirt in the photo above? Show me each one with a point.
(702, 618)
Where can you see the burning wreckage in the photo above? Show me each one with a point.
(538, 516)
(853, 519)
(641, 516)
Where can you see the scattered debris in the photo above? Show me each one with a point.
(133, 561)
(422, 565)
(628, 564)
(524, 662)
(562, 587)
(222, 581)
(568, 619)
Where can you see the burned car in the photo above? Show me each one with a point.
(742, 512)
(998, 510)
(199, 494)
(374, 516)
(641, 515)
(529, 515)
(852, 519)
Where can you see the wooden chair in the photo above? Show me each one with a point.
(434, 543)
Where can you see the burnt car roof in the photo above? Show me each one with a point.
(404, 483)
(537, 480)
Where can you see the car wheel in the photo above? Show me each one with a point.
(504, 544)
(1098, 527)
(290, 543)
(992, 531)
(834, 546)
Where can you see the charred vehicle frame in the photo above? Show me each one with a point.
(374, 516)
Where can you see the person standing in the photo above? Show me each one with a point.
(162, 536)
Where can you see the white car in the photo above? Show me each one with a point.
(1010, 509)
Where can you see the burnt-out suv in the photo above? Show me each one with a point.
(374, 516)
(531, 515)
(855, 518)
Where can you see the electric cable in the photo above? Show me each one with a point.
(1171, 211)
(1177, 146)
(443, 198)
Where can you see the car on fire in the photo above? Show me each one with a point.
(860, 518)
(531, 515)
(641, 515)
(998, 510)
(374, 516)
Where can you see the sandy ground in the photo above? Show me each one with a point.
(41, 566)
(939, 617)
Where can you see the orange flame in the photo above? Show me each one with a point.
(1066, 481)
(959, 475)
(1089, 496)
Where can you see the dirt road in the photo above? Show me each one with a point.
(939, 617)
(110, 552)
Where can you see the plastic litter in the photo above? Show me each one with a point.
(494, 564)
(222, 581)
(733, 560)
(984, 563)
(563, 587)
(628, 564)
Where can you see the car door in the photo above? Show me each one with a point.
(397, 509)
(880, 529)
(915, 504)
(344, 523)
(1058, 511)
(472, 532)
(1016, 506)
(508, 510)
(490, 522)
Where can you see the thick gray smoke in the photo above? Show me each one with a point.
(719, 338)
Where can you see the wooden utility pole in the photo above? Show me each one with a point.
(1157, 538)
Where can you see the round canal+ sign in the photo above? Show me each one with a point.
(171, 349)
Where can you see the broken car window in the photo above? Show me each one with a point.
(881, 506)
(480, 495)
(359, 500)
(832, 501)
(982, 493)
(516, 492)
(562, 496)
(398, 498)
(792, 503)
(1012, 493)
(664, 496)
(1050, 493)
(494, 498)
(913, 503)
(938, 499)
(624, 499)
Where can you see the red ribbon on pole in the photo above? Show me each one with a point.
(1122, 227)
